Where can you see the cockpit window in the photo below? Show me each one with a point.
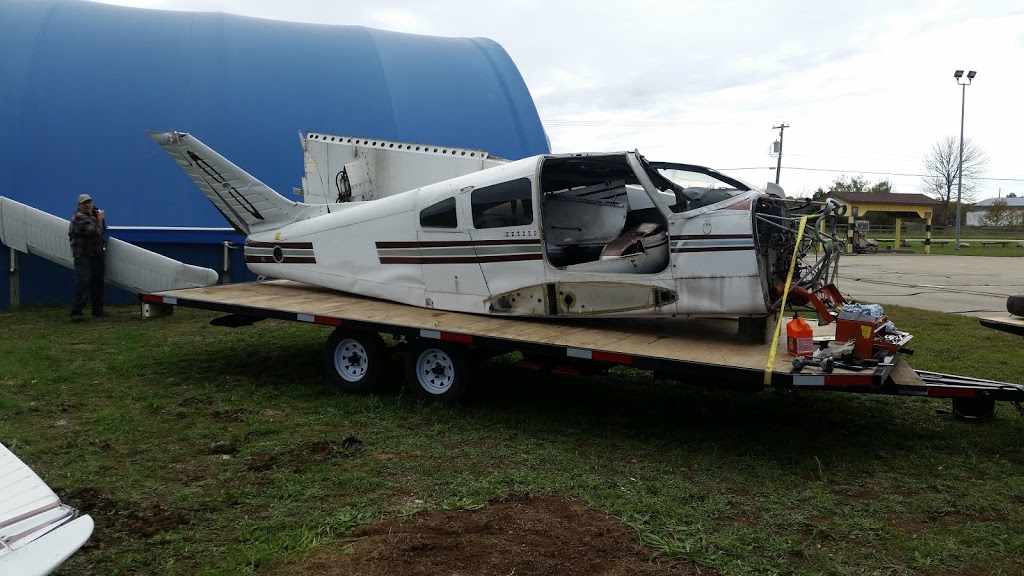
(440, 215)
(689, 179)
(505, 204)
(697, 186)
(693, 176)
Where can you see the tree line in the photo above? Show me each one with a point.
(941, 175)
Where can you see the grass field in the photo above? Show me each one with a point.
(203, 450)
(975, 249)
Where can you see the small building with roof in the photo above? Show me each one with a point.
(976, 217)
(900, 206)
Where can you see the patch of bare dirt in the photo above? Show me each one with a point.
(524, 537)
(156, 518)
(114, 516)
(301, 457)
(229, 415)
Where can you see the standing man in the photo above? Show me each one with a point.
(86, 233)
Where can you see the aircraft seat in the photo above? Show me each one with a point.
(630, 241)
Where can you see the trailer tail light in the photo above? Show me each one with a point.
(447, 336)
(314, 319)
(609, 357)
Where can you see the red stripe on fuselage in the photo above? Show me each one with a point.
(458, 259)
(301, 245)
(285, 260)
(456, 243)
(713, 237)
(712, 249)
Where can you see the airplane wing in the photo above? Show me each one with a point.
(37, 531)
(134, 269)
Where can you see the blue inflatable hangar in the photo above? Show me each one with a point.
(80, 82)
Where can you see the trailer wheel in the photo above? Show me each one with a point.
(1015, 304)
(438, 370)
(355, 360)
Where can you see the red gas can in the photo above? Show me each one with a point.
(799, 337)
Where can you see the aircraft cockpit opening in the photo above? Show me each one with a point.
(599, 218)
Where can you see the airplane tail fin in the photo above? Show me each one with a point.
(248, 204)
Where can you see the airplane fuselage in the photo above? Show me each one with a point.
(547, 235)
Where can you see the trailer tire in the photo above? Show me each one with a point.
(438, 370)
(1015, 304)
(355, 360)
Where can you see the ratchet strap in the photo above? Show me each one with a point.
(782, 307)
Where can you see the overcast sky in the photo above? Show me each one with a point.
(866, 86)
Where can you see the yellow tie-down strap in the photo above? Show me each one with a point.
(782, 308)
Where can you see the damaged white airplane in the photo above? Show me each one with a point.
(599, 234)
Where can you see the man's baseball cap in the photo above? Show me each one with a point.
(84, 198)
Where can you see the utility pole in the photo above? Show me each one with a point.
(778, 168)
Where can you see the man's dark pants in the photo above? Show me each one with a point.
(89, 271)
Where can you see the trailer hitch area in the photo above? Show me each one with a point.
(976, 409)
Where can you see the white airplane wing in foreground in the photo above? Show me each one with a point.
(135, 269)
(37, 531)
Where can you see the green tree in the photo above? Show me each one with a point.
(853, 184)
(998, 214)
(882, 187)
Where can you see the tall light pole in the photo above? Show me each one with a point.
(959, 75)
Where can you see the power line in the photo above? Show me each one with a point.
(867, 172)
(637, 122)
(857, 171)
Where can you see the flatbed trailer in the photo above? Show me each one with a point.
(445, 345)
(1011, 324)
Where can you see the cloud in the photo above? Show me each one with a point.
(864, 84)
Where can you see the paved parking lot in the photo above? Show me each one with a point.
(969, 285)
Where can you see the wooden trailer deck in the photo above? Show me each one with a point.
(645, 342)
(1011, 324)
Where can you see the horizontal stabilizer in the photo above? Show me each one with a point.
(37, 531)
(134, 269)
(248, 204)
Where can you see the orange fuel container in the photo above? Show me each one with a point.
(799, 337)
